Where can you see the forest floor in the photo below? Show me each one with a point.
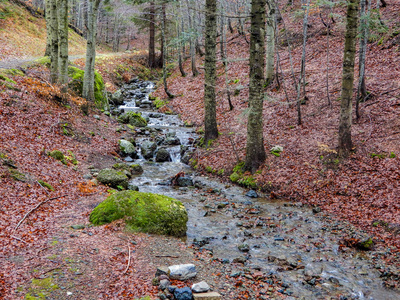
(363, 190)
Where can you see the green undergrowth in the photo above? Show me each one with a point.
(144, 212)
(242, 178)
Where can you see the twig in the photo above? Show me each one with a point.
(47, 192)
(172, 256)
(36, 207)
(129, 260)
(17, 238)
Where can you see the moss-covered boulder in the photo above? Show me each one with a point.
(76, 84)
(56, 154)
(134, 169)
(127, 148)
(132, 118)
(113, 178)
(145, 212)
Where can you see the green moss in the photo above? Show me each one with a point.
(41, 289)
(239, 167)
(209, 169)
(17, 175)
(56, 154)
(76, 84)
(45, 60)
(234, 177)
(11, 72)
(392, 155)
(158, 103)
(248, 182)
(2, 77)
(382, 155)
(366, 245)
(46, 185)
(132, 118)
(145, 212)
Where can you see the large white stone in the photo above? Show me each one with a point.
(182, 272)
(200, 287)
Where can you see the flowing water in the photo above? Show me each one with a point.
(276, 237)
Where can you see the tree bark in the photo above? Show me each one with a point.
(63, 43)
(255, 152)
(48, 28)
(345, 142)
(54, 42)
(88, 79)
(152, 29)
(210, 118)
(269, 73)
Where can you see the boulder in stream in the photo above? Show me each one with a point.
(182, 272)
(135, 119)
(144, 212)
(113, 178)
(127, 148)
(117, 98)
(148, 148)
(163, 155)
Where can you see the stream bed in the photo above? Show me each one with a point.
(296, 243)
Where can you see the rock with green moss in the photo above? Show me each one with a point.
(144, 212)
(113, 178)
(366, 244)
(56, 154)
(132, 118)
(76, 84)
(234, 177)
(134, 169)
(127, 148)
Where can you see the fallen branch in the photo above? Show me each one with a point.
(129, 260)
(172, 256)
(47, 192)
(17, 238)
(36, 207)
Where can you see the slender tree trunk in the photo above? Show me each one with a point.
(163, 44)
(210, 117)
(63, 43)
(269, 73)
(88, 79)
(255, 152)
(192, 43)
(54, 42)
(345, 142)
(180, 49)
(152, 28)
(48, 28)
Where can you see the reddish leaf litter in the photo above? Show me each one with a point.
(86, 263)
(364, 189)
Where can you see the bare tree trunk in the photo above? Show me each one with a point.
(54, 42)
(48, 28)
(192, 43)
(163, 43)
(152, 28)
(89, 76)
(210, 117)
(63, 43)
(271, 25)
(255, 152)
(345, 142)
(180, 49)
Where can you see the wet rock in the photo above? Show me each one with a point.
(162, 271)
(222, 205)
(240, 260)
(113, 178)
(163, 155)
(182, 272)
(172, 139)
(201, 241)
(184, 181)
(164, 283)
(244, 247)
(186, 157)
(78, 227)
(200, 287)
(133, 187)
(135, 119)
(316, 210)
(148, 148)
(183, 294)
(127, 148)
(87, 176)
(366, 244)
(117, 98)
(252, 194)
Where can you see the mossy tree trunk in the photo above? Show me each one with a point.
(255, 152)
(63, 43)
(210, 118)
(54, 41)
(88, 79)
(48, 27)
(345, 142)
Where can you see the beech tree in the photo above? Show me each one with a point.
(54, 41)
(255, 152)
(63, 43)
(345, 142)
(210, 118)
(88, 79)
